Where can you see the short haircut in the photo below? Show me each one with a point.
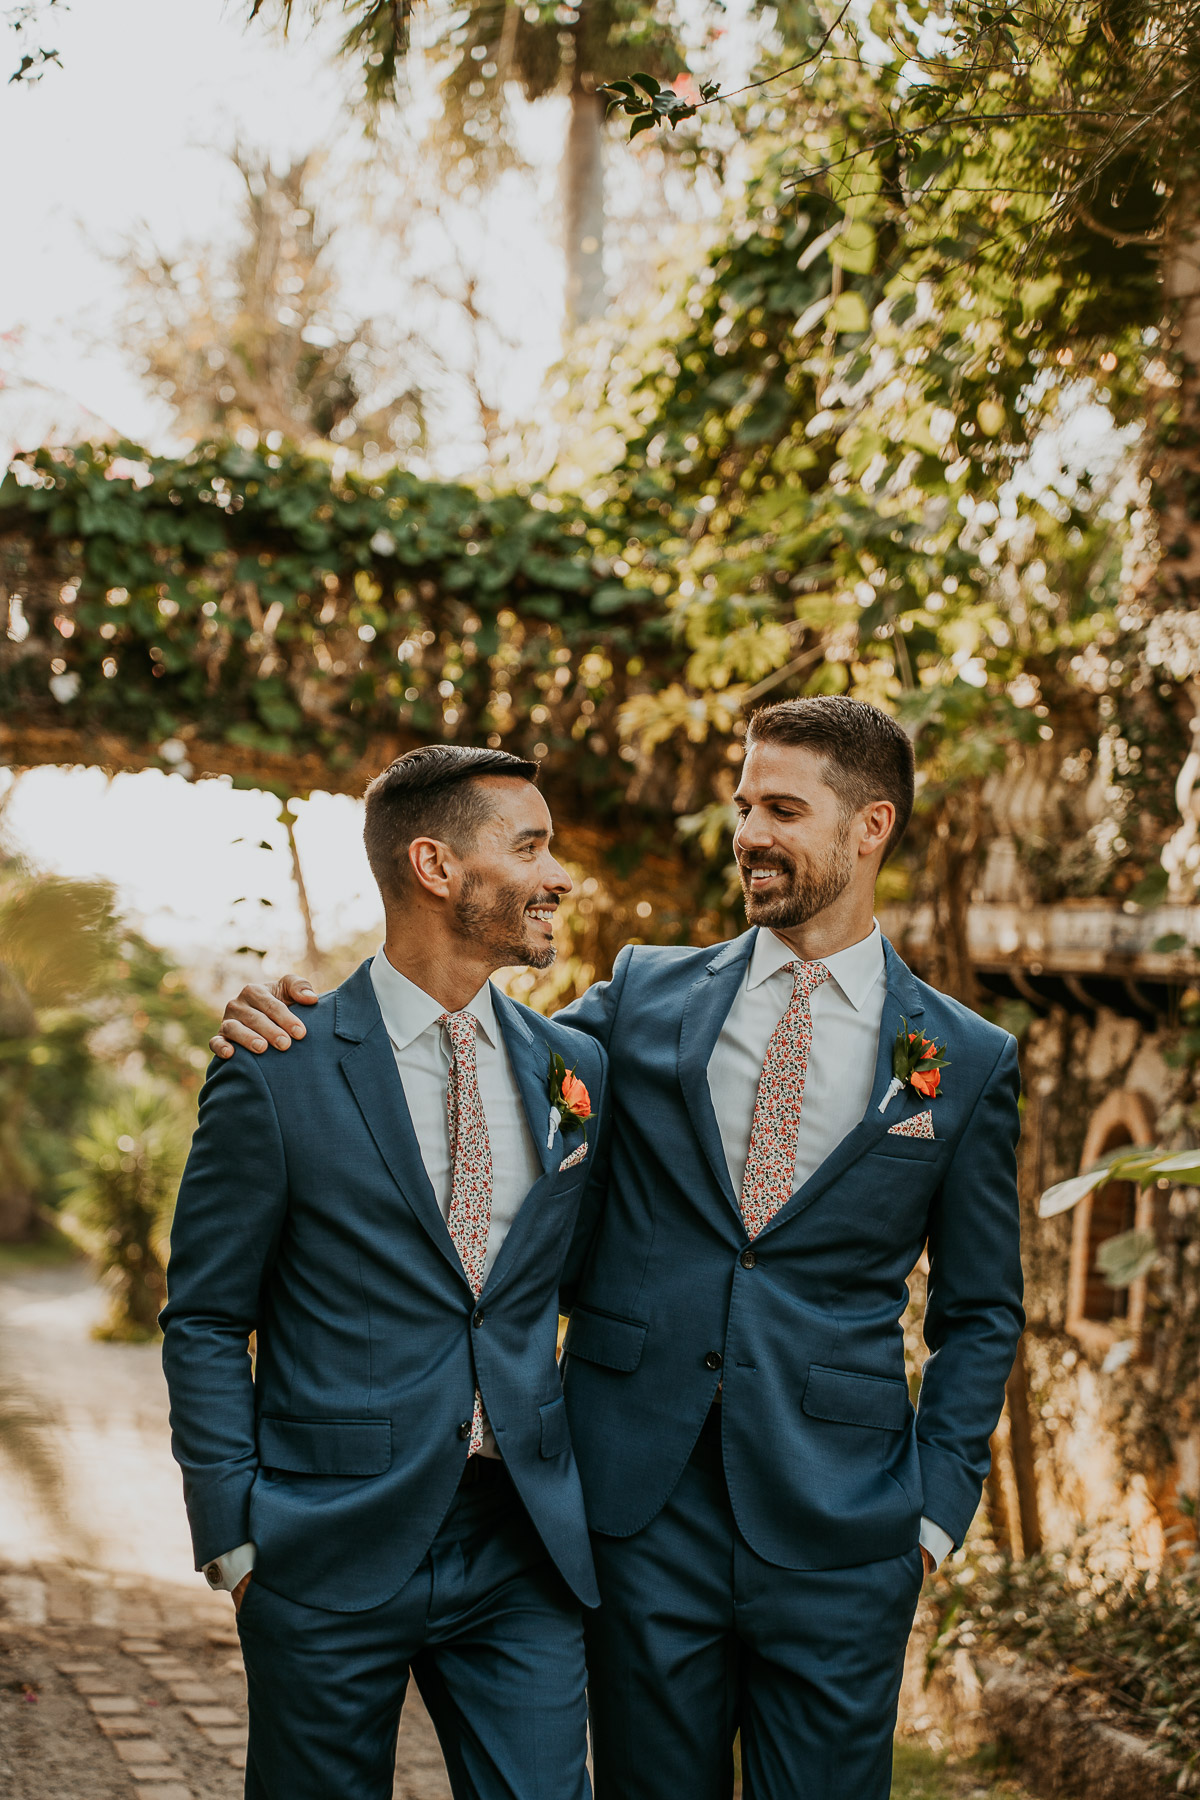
(439, 791)
(867, 755)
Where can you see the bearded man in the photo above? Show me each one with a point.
(389, 1210)
(795, 1119)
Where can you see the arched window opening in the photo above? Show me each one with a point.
(1097, 1314)
(1114, 1210)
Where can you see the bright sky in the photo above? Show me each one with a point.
(131, 131)
(185, 858)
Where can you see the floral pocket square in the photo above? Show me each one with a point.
(577, 1156)
(919, 1126)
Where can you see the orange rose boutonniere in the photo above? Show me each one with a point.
(569, 1098)
(917, 1062)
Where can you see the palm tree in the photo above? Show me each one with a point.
(545, 47)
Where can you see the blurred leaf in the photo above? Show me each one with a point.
(1123, 1258)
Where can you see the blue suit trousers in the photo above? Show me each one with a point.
(489, 1624)
(698, 1638)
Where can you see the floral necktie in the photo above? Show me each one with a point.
(470, 1218)
(771, 1158)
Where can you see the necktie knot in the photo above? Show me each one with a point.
(807, 977)
(461, 1028)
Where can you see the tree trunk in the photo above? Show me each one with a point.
(997, 1499)
(1177, 457)
(951, 870)
(1024, 1466)
(287, 819)
(583, 206)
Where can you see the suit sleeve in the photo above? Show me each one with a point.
(228, 1218)
(594, 1194)
(973, 1313)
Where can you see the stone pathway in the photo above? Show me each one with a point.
(111, 1690)
(119, 1672)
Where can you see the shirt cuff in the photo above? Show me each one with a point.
(939, 1543)
(224, 1572)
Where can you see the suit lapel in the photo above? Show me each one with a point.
(529, 1054)
(704, 1012)
(369, 1066)
(903, 1002)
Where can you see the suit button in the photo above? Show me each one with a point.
(713, 1360)
(464, 1430)
(747, 1259)
(478, 1319)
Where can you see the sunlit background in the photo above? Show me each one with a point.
(340, 428)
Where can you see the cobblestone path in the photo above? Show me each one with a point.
(112, 1690)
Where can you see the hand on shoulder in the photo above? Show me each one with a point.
(258, 1017)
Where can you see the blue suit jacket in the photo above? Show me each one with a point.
(306, 1216)
(827, 1463)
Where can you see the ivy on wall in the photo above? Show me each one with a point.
(271, 616)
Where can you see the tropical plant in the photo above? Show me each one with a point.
(86, 1002)
(119, 1197)
(57, 945)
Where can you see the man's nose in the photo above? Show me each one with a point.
(752, 832)
(558, 881)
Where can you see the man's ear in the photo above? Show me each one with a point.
(433, 865)
(877, 820)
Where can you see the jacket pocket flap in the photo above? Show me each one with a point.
(556, 1433)
(602, 1338)
(898, 1148)
(849, 1399)
(325, 1446)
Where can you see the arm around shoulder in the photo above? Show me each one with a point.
(595, 1011)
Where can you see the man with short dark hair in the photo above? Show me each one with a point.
(389, 1210)
(796, 1118)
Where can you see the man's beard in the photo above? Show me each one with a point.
(493, 919)
(804, 893)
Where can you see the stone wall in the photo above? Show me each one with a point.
(1114, 1420)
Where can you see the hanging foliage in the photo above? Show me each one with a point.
(266, 615)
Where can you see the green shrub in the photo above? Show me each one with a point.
(1129, 1635)
(120, 1196)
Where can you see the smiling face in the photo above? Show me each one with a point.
(507, 887)
(798, 849)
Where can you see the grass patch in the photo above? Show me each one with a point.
(920, 1775)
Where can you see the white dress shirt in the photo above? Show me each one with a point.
(422, 1053)
(847, 1012)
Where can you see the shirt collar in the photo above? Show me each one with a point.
(408, 1010)
(855, 969)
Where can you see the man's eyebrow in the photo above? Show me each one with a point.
(534, 833)
(773, 799)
